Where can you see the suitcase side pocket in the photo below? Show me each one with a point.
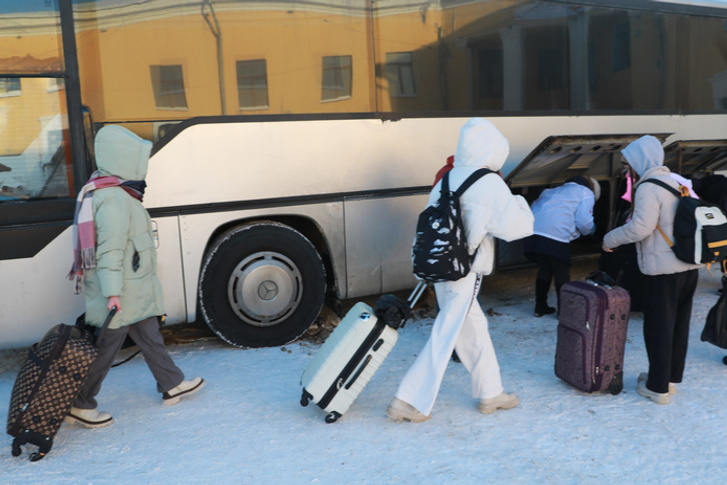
(570, 356)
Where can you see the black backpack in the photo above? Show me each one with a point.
(440, 247)
(700, 228)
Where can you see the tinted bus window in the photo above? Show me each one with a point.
(160, 61)
(34, 161)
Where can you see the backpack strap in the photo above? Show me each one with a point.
(476, 175)
(683, 192)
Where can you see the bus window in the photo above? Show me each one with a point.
(34, 127)
(232, 58)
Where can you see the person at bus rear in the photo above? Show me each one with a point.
(562, 214)
(489, 210)
(117, 268)
(669, 282)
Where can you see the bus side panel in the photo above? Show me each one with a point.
(36, 293)
(223, 162)
(197, 232)
(379, 236)
(169, 267)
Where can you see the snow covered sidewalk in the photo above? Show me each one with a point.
(247, 425)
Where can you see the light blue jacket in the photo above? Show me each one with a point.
(564, 213)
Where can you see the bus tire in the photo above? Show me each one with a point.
(261, 285)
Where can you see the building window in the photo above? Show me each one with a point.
(490, 70)
(622, 47)
(252, 84)
(168, 84)
(9, 86)
(336, 83)
(400, 73)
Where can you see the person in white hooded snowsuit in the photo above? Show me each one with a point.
(669, 283)
(489, 211)
(115, 263)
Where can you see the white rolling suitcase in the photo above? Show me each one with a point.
(353, 353)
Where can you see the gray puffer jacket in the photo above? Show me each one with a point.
(652, 205)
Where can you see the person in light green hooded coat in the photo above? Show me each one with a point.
(123, 236)
(118, 269)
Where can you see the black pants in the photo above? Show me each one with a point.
(667, 310)
(549, 268)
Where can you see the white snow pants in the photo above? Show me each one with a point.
(460, 325)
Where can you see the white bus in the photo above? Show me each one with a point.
(296, 141)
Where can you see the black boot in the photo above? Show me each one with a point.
(541, 298)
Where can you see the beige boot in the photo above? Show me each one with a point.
(644, 376)
(502, 401)
(657, 397)
(401, 411)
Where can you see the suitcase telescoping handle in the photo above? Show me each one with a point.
(601, 278)
(106, 323)
(417, 293)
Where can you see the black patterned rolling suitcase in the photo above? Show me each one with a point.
(47, 385)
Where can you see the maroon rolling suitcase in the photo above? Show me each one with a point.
(47, 385)
(592, 324)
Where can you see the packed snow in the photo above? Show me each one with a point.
(247, 425)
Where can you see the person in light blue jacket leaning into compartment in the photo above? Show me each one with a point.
(562, 214)
(115, 265)
(669, 283)
(489, 210)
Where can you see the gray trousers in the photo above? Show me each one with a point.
(147, 336)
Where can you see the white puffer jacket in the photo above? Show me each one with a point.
(489, 209)
(652, 205)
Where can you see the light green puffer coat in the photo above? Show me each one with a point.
(123, 228)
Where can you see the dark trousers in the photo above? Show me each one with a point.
(549, 269)
(147, 336)
(667, 310)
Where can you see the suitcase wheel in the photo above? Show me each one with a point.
(332, 417)
(617, 384)
(305, 398)
(44, 444)
(36, 456)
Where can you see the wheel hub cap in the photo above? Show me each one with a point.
(265, 288)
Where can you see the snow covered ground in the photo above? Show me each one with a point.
(248, 427)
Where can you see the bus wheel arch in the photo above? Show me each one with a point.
(262, 284)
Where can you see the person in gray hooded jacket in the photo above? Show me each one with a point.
(669, 282)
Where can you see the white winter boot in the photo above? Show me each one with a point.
(184, 389)
(89, 418)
